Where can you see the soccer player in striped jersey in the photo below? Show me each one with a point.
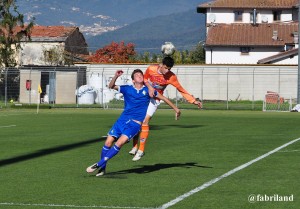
(136, 101)
(157, 78)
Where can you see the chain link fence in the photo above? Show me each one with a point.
(219, 87)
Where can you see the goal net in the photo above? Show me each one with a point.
(274, 101)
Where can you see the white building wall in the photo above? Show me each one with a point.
(227, 16)
(32, 52)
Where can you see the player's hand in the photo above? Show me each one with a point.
(119, 73)
(198, 103)
(151, 92)
(177, 114)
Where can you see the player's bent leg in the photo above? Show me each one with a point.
(107, 146)
(144, 134)
(135, 145)
(143, 138)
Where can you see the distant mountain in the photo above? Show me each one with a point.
(97, 16)
(184, 30)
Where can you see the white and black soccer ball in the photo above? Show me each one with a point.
(168, 49)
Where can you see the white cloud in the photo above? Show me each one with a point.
(102, 17)
(87, 13)
(68, 22)
(76, 9)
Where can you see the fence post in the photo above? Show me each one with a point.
(78, 71)
(202, 85)
(5, 88)
(253, 88)
(279, 73)
(103, 105)
(29, 99)
(227, 105)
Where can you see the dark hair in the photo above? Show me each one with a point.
(136, 71)
(168, 61)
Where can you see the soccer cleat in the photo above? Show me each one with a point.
(92, 168)
(138, 155)
(133, 151)
(101, 172)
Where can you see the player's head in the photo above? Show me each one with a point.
(137, 75)
(168, 61)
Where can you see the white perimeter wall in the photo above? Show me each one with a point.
(219, 82)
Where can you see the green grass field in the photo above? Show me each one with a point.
(43, 158)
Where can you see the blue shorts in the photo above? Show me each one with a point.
(128, 128)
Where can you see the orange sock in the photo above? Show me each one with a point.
(143, 137)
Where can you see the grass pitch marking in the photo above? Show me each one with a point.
(215, 180)
(9, 126)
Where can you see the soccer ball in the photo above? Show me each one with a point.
(168, 49)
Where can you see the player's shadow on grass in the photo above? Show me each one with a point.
(160, 127)
(153, 168)
(47, 151)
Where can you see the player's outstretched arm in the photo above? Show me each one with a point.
(112, 83)
(166, 100)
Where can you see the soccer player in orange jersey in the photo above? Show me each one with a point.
(158, 77)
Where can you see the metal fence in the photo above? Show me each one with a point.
(219, 87)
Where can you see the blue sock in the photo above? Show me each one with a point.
(110, 154)
(104, 151)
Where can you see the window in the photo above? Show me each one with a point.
(238, 16)
(245, 50)
(276, 15)
(48, 55)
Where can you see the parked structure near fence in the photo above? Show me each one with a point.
(206, 82)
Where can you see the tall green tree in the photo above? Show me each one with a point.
(197, 56)
(12, 30)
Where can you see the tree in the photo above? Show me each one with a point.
(12, 30)
(114, 53)
(197, 56)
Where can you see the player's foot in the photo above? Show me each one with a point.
(138, 155)
(133, 151)
(101, 172)
(92, 168)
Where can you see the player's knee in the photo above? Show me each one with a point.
(109, 141)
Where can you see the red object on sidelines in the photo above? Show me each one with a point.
(273, 98)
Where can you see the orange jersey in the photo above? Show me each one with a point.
(159, 82)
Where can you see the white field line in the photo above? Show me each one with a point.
(15, 114)
(69, 206)
(215, 180)
(9, 126)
